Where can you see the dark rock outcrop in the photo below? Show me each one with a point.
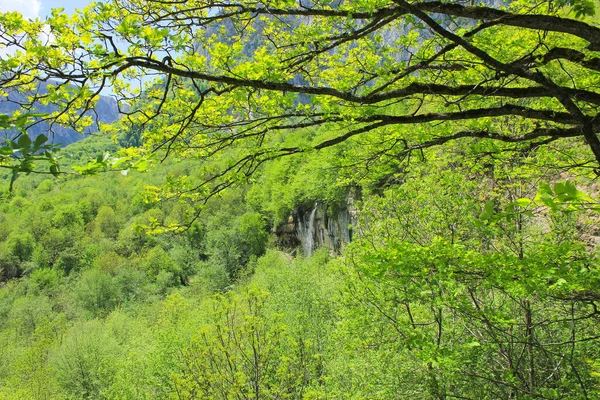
(322, 225)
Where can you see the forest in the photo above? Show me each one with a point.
(290, 199)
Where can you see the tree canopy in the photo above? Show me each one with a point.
(462, 278)
(200, 76)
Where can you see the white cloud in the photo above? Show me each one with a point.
(29, 8)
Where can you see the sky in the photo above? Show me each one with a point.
(40, 8)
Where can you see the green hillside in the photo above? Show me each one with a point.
(375, 199)
(95, 305)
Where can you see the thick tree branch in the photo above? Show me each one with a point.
(530, 21)
(412, 89)
(560, 94)
(539, 22)
(560, 53)
(438, 141)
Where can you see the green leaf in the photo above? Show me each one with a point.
(546, 198)
(24, 142)
(570, 189)
(6, 151)
(54, 170)
(560, 188)
(26, 166)
(488, 210)
(141, 166)
(40, 140)
(523, 202)
(545, 188)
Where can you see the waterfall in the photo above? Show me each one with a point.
(309, 233)
(322, 225)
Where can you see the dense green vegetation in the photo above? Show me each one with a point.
(145, 262)
(435, 299)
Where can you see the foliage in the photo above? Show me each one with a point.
(245, 82)
(429, 301)
(474, 269)
(467, 307)
(20, 154)
(84, 362)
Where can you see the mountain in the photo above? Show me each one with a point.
(106, 110)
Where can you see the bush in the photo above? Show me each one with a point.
(96, 292)
(157, 262)
(43, 280)
(210, 278)
(67, 216)
(27, 313)
(20, 245)
(233, 243)
(107, 222)
(130, 283)
(85, 362)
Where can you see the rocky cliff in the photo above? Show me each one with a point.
(320, 225)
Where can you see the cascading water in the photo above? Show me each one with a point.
(308, 240)
(321, 226)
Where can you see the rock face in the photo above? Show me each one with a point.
(321, 225)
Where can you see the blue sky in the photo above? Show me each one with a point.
(40, 8)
